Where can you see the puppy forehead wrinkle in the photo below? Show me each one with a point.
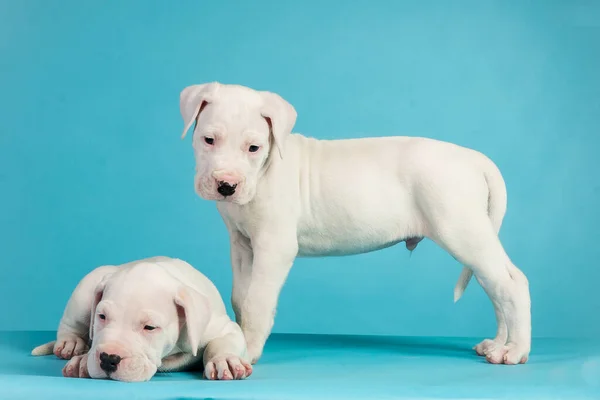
(214, 128)
(231, 116)
(155, 306)
(252, 135)
(104, 306)
(153, 316)
(235, 109)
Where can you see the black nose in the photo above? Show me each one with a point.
(225, 189)
(109, 362)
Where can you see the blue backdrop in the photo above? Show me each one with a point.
(92, 170)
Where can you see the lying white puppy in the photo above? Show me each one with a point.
(156, 314)
(284, 195)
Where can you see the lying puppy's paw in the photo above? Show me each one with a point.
(67, 347)
(227, 367)
(76, 367)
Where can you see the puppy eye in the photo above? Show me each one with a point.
(253, 149)
(149, 328)
(209, 140)
(102, 316)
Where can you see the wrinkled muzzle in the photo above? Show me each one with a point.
(121, 361)
(223, 185)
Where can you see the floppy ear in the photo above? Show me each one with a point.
(192, 101)
(196, 313)
(98, 292)
(281, 117)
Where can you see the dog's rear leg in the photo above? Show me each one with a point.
(487, 345)
(496, 212)
(474, 242)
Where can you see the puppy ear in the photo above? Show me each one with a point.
(281, 117)
(192, 101)
(98, 293)
(196, 312)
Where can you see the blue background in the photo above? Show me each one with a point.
(92, 170)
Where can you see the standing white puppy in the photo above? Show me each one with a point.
(284, 195)
(156, 314)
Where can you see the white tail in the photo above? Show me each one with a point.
(44, 349)
(463, 281)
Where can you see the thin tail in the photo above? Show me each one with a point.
(44, 349)
(463, 281)
(497, 200)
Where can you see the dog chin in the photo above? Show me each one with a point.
(239, 199)
(142, 375)
(131, 369)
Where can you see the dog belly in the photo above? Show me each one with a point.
(321, 246)
(341, 228)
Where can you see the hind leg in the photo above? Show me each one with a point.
(473, 241)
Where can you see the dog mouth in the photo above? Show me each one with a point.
(220, 191)
(142, 373)
(223, 192)
(133, 368)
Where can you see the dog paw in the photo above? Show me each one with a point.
(509, 354)
(227, 367)
(68, 347)
(487, 346)
(76, 367)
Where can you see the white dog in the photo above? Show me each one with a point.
(284, 195)
(153, 314)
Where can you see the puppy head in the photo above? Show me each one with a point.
(236, 130)
(139, 316)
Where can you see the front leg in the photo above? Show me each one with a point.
(273, 257)
(225, 356)
(241, 265)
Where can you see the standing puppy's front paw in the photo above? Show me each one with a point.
(227, 368)
(70, 346)
(76, 367)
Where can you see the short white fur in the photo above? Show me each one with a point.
(340, 197)
(156, 314)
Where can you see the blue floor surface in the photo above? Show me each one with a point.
(330, 367)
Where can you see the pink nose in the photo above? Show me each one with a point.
(229, 179)
(113, 348)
